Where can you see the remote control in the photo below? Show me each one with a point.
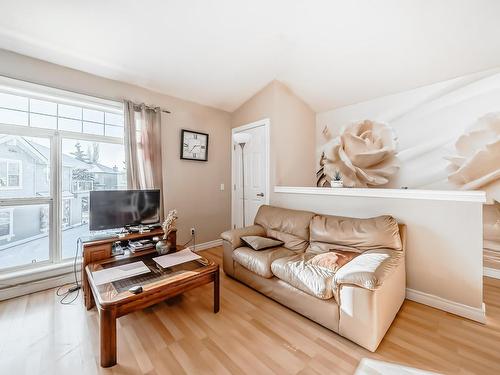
(136, 289)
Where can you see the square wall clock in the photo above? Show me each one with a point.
(194, 145)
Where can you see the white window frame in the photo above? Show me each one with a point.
(54, 200)
(20, 171)
(9, 236)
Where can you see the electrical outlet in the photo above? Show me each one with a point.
(192, 231)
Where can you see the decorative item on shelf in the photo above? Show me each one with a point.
(336, 181)
(194, 145)
(168, 243)
(321, 177)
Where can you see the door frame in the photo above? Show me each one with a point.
(266, 123)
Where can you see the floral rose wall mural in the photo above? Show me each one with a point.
(477, 166)
(448, 137)
(364, 154)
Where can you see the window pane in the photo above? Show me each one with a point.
(93, 115)
(13, 168)
(114, 119)
(86, 166)
(13, 102)
(43, 121)
(70, 111)
(24, 235)
(13, 181)
(24, 161)
(41, 106)
(69, 125)
(3, 173)
(92, 128)
(10, 117)
(114, 131)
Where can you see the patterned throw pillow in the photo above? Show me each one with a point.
(333, 260)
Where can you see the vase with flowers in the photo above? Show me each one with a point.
(165, 246)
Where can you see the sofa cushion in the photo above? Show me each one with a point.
(289, 226)
(261, 243)
(298, 271)
(259, 262)
(354, 234)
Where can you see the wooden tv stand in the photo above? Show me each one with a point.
(101, 249)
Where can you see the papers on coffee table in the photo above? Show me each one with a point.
(178, 257)
(111, 274)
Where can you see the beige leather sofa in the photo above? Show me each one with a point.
(358, 301)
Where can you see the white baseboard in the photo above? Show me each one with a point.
(473, 313)
(208, 245)
(491, 272)
(36, 286)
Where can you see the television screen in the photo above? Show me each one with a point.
(116, 209)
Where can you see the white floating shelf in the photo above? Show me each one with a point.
(439, 195)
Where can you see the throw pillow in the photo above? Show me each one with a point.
(261, 243)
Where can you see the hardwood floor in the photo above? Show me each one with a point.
(250, 335)
(491, 259)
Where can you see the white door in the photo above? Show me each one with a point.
(256, 166)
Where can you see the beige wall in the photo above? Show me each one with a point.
(191, 187)
(292, 133)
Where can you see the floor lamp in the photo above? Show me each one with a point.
(242, 139)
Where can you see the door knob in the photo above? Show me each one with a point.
(260, 194)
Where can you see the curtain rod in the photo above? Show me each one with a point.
(150, 107)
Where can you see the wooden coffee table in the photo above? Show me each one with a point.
(114, 300)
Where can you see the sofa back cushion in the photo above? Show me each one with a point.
(289, 226)
(354, 234)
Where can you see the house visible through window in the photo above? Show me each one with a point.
(85, 210)
(80, 186)
(10, 173)
(6, 223)
(66, 213)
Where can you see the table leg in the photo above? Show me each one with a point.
(216, 292)
(107, 326)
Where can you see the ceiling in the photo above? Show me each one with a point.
(219, 53)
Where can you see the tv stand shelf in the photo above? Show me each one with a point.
(101, 249)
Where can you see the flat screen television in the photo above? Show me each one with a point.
(120, 208)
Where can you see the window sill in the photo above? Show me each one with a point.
(28, 275)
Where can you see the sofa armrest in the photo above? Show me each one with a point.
(232, 240)
(370, 269)
(234, 236)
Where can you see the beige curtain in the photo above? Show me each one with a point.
(143, 148)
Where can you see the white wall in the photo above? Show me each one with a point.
(444, 244)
